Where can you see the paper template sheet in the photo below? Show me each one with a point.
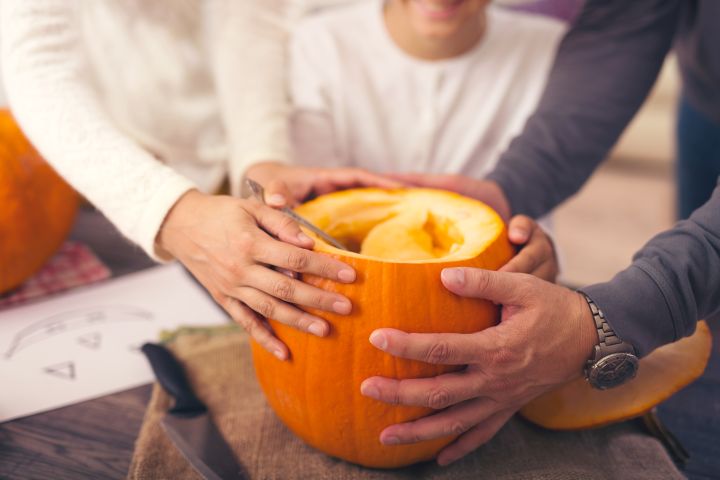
(85, 343)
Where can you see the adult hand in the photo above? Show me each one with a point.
(545, 335)
(537, 252)
(228, 244)
(289, 184)
(484, 190)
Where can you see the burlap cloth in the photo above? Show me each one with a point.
(220, 369)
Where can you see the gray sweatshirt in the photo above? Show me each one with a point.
(604, 69)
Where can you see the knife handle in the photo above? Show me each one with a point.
(171, 375)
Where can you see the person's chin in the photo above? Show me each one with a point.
(434, 32)
(434, 11)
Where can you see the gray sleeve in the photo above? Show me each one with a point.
(604, 68)
(673, 281)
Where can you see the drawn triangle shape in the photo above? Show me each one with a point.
(90, 340)
(64, 370)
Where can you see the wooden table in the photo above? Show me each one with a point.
(94, 439)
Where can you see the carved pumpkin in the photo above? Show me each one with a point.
(405, 238)
(37, 207)
(577, 405)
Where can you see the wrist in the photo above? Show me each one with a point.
(587, 338)
(613, 361)
(185, 208)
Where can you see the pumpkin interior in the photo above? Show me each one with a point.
(417, 225)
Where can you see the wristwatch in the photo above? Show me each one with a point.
(614, 361)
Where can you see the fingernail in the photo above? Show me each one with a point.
(519, 234)
(279, 354)
(455, 276)
(317, 329)
(369, 390)
(391, 440)
(343, 307)
(276, 199)
(304, 238)
(378, 339)
(346, 275)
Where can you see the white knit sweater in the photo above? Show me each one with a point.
(135, 102)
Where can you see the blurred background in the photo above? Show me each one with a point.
(629, 199)
(632, 195)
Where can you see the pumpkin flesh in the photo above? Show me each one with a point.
(663, 372)
(317, 392)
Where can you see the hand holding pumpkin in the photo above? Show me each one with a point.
(545, 336)
(537, 252)
(289, 184)
(486, 191)
(227, 243)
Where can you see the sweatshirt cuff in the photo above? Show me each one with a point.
(157, 209)
(637, 309)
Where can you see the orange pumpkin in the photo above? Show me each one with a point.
(405, 238)
(37, 207)
(577, 405)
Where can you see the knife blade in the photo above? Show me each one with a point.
(188, 423)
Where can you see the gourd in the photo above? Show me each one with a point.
(37, 207)
(404, 239)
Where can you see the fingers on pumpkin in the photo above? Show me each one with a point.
(303, 261)
(453, 421)
(477, 436)
(436, 348)
(435, 392)
(282, 287)
(271, 307)
(499, 287)
(281, 226)
(277, 194)
(255, 327)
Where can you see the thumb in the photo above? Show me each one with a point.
(277, 194)
(499, 287)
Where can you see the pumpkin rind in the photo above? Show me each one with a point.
(37, 207)
(668, 369)
(317, 392)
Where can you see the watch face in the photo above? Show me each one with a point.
(613, 370)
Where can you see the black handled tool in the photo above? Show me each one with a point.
(188, 423)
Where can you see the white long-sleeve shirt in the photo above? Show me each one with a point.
(359, 100)
(134, 102)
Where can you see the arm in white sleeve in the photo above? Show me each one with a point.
(50, 93)
(247, 47)
(312, 129)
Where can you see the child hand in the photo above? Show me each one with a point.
(289, 184)
(228, 244)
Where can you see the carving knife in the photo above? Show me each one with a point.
(188, 423)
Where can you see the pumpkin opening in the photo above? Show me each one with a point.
(417, 225)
